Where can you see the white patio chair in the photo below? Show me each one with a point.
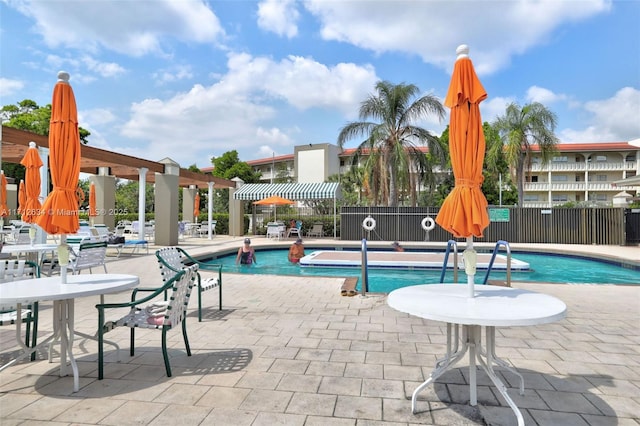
(316, 231)
(89, 255)
(10, 270)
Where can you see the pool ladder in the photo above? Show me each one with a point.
(453, 244)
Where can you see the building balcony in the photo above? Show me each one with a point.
(582, 167)
(569, 186)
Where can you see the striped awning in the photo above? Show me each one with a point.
(291, 191)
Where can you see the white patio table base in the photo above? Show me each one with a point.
(492, 306)
(63, 296)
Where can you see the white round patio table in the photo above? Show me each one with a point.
(17, 293)
(492, 306)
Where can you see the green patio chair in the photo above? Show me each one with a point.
(149, 314)
(173, 259)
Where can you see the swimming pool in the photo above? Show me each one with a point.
(544, 268)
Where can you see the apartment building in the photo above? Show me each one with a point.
(583, 173)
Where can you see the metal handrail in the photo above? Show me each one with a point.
(500, 243)
(454, 244)
(365, 271)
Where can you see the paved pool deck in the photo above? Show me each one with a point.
(293, 351)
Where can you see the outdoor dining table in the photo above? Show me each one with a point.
(34, 252)
(492, 306)
(23, 292)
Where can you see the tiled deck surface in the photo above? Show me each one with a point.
(293, 351)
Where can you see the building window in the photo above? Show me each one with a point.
(559, 178)
(560, 159)
(597, 197)
(562, 198)
(601, 178)
(601, 158)
(631, 158)
(530, 197)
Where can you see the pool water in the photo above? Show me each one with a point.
(544, 268)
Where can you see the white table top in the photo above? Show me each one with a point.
(51, 288)
(492, 305)
(22, 248)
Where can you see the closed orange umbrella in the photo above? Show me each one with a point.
(92, 200)
(60, 209)
(464, 211)
(22, 197)
(4, 209)
(32, 163)
(196, 207)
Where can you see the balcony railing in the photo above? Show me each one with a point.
(581, 167)
(570, 186)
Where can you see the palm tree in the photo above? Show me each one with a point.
(391, 141)
(520, 129)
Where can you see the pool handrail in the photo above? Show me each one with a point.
(364, 288)
(454, 244)
(507, 247)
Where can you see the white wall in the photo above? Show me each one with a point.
(311, 166)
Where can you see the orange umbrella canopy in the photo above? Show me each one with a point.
(274, 199)
(60, 209)
(32, 163)
(92, 200)
(464, 211)
(4, 209)
(22, 197)
(196, 206)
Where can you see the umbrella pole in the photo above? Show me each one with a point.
(63, 258)
(470, 261)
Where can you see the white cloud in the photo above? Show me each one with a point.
(303, 82)
(134, 28)
(279, 16)
(235, 112)
(614, 119)
(543, 96)
(173, 74)
(433, 30)
(8, 87)
(103, 69)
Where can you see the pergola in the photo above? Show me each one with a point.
(96, 161)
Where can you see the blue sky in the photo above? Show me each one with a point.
(192, 79)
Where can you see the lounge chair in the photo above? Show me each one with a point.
(174, 259)
(158, 315)
(316, 231)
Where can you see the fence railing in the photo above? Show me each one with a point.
(605, 226)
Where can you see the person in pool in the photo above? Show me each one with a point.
(296, 251)
(246, 254)
(396, 246)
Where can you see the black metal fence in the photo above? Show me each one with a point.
(606, 226)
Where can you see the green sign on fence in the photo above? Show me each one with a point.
(499, 215)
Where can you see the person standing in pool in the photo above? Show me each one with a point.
(246, 254)
(296, 251)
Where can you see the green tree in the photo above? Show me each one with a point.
(127, 196)
(496, 170)
(391, 140)
(229, 166)
(27, 115)
(521, 128)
